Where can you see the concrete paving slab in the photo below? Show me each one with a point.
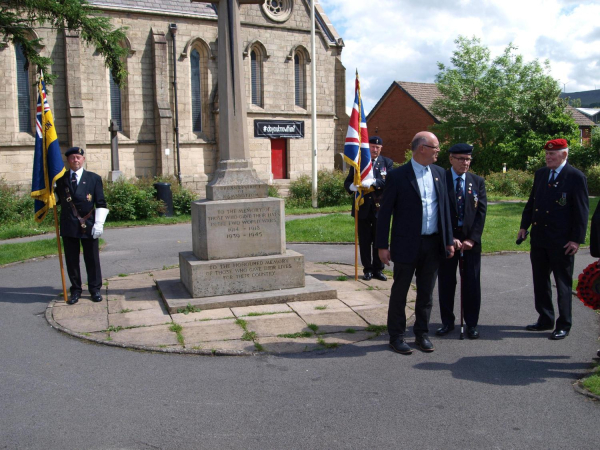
(261, 309)
(358, 298)
(204, 315)
(165, 274)
(149, 292)
(345, 286)
(79, 310)
(195, 333)
(84, 300)
(125, 303)
(335, 321)
(276, 324)
(288, 345)
(232, 345)
(373, 314)
(97, 322)
(347, 338)
(153, 336)
(100, 335)
(146, 317)
(318, 306)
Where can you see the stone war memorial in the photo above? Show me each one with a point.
(239, 255)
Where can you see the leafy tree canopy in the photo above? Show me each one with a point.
(18, 17)
(505, 107)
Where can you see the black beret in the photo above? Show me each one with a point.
(375, 140)
(461, 149)
(74, 150)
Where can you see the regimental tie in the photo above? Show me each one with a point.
(552, 177)
(460, 199)
(73, 182)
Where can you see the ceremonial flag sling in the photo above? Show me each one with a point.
(48, 167)
(358, 156)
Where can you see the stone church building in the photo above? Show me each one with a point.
(172, 67)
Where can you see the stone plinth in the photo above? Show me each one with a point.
(236, 229)
(240, 275)
(236, 179)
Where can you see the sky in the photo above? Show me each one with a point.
(403, 40)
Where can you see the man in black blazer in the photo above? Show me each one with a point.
(367, 213)
(82, 215)
(557, 211)
(468, 206)
(416, 195)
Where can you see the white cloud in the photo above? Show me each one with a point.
(403, 40)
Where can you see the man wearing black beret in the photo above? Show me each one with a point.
(82, 216)
(468, 206)
(367, 213)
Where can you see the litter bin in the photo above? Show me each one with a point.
(163, 192)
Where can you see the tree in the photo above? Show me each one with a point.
(17, 17)
(505, 107)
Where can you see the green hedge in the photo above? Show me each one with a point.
(13, 207)
(330, 190)
(513, 183)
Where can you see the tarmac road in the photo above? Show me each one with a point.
(511, 389)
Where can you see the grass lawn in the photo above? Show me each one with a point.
(10, 253)
(592, 383)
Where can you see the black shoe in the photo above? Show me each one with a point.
(367, 276)
(74, 298)
(379, 276)
(472, 333)
(538, 327)
(444, 330)
(557, 334)
(400, 346)
(424, 343)
(96, 297)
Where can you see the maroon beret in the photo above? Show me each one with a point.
(556, 144)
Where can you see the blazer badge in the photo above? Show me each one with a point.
(562, 201)
(89, 197)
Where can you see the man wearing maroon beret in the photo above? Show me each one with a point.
(557, 211)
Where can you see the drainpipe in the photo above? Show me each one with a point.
(173, 30)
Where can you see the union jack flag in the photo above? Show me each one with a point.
(356, 149)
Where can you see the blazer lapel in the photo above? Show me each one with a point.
(410, 174)
(451, 192)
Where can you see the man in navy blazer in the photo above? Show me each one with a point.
(557, 211)
(416, 195)
(468, 206)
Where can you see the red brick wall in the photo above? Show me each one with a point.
(397, 121)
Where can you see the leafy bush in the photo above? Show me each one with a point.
(330, 190)
(593, 179)
(583, 156)
(13, 206)
(182, 199)
(273, 190)
(131, 200)
(513, 183)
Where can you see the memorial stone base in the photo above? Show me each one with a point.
(239, 258)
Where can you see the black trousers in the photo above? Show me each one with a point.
(91, 257)
(425, 268)
(543, 262)
(471, 292)
(369, 256)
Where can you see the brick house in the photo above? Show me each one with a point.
(84, 99)
(403, 111)
(584, 123)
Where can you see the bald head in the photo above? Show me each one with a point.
(425, 148)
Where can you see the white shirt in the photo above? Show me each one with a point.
(429, 200)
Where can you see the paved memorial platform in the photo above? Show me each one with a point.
(133, 315)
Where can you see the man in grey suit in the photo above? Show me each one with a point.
(416, 195)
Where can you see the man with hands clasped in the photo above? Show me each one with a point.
(368, 211)
(82, 216)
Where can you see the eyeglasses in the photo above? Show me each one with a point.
(462, 159)
(437, 147)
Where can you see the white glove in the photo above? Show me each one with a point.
(353, 188)
(368, 183)
(98, 227)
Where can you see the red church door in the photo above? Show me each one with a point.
(279, 158)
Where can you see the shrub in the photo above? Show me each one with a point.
(583, 156)
(273, 190)
(13, 206)
(182, 199)
(330, 190)
(130, 200)
(513, 183)
(593, 179)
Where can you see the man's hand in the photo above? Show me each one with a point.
(384, 256)
(368, 183)
(449, 251)
(467, 244)
(457, 244)
(571, 248)
(353, 187)
(522, 235)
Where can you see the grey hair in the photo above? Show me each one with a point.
(418, 141)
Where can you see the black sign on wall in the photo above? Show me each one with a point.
(275, 129)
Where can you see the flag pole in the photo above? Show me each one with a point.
(357, 196)
(44, 149)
